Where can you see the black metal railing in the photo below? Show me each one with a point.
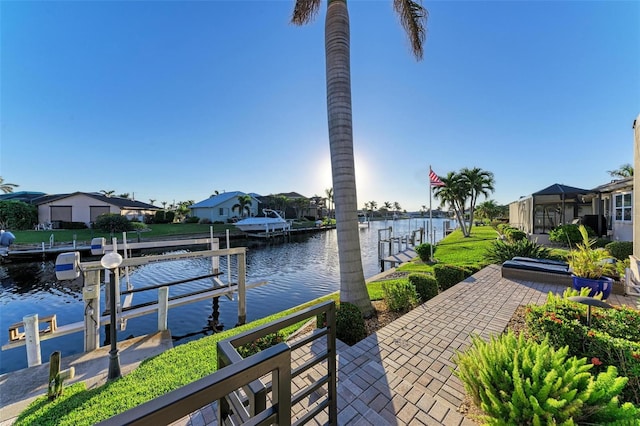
(242, 397)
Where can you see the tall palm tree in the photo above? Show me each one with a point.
(373, 206)
(152, 200)
(7, 187)
(386, 206)
(338, 74)
(479, 182)
(107, 193)
(625, 171)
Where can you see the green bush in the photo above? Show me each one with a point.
(192, 219)
(111, 222)
(449, 275)
(400, 296)
(260, 344)
(621, 250)
(613, 339)
(17, 215)
(349, 324)
(500, 251)
(139, 226)
(514, 234)
(426, 286)
(518, 381)
(568, 235)
(424, 251)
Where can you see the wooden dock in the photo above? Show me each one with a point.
(400, 257)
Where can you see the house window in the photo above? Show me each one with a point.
(61, 213)
(221, 211)
(95, 211)
(622, 207)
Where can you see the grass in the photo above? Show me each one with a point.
(84, 236)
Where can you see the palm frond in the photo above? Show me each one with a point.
(413, 17)
(304, 11)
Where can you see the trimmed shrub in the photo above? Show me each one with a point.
(138, 226)
(568, 235)
(426, 286)
(621, 250)
(349, 324)
(518, 381)
(111, 222)
(424, 251)
(192, 219)
(400, 296)
(514, 234)
(205, 221)
(73, 225)
(501, 251)
(448, 275)
(17, 215)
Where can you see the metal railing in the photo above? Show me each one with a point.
(242, 397)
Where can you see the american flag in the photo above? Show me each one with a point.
(434, 179)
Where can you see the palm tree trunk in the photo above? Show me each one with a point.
(352, 284)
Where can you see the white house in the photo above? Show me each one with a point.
(222, 207)
(86, 207)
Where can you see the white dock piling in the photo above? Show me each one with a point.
(32, 337)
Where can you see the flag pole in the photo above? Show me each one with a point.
(430, 219)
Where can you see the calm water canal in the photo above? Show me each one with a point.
(304, 268)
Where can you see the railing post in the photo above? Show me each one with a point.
(32, 336)
(91, 297)
(332, 365)
(242, 291)
(163, 308)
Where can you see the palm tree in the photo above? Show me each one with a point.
(107, 193)
(625, 171)
(338, 74)
(243, 205)
(124, 195)
(152, 200)
(396, 207)
(479, 182)
(455, 193)
(6, 187)
(488, 210)
(372, 207)
(386, 206)
(329, 193)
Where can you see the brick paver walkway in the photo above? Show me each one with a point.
(401, 375)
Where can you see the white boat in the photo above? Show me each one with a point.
(271, 221)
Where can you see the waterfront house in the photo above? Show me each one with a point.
(87, 206)
(606, 209)
(223, 207)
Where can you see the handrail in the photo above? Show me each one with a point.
(187, 399)
(235, 372)
(256, 391)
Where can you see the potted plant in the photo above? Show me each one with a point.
(591, 267)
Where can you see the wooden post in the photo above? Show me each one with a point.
(242, 291)
(32, 336)
(163, 307)
(57, 377)
(91, 310)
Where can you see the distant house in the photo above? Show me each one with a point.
(221, 207)
(606, 209)
(86, 207)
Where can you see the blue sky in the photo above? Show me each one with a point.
(174, 100)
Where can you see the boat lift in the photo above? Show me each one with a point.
(68, 266)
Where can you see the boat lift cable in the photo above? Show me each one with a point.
(186, 280)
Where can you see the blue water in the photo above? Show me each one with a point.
(297, 271)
